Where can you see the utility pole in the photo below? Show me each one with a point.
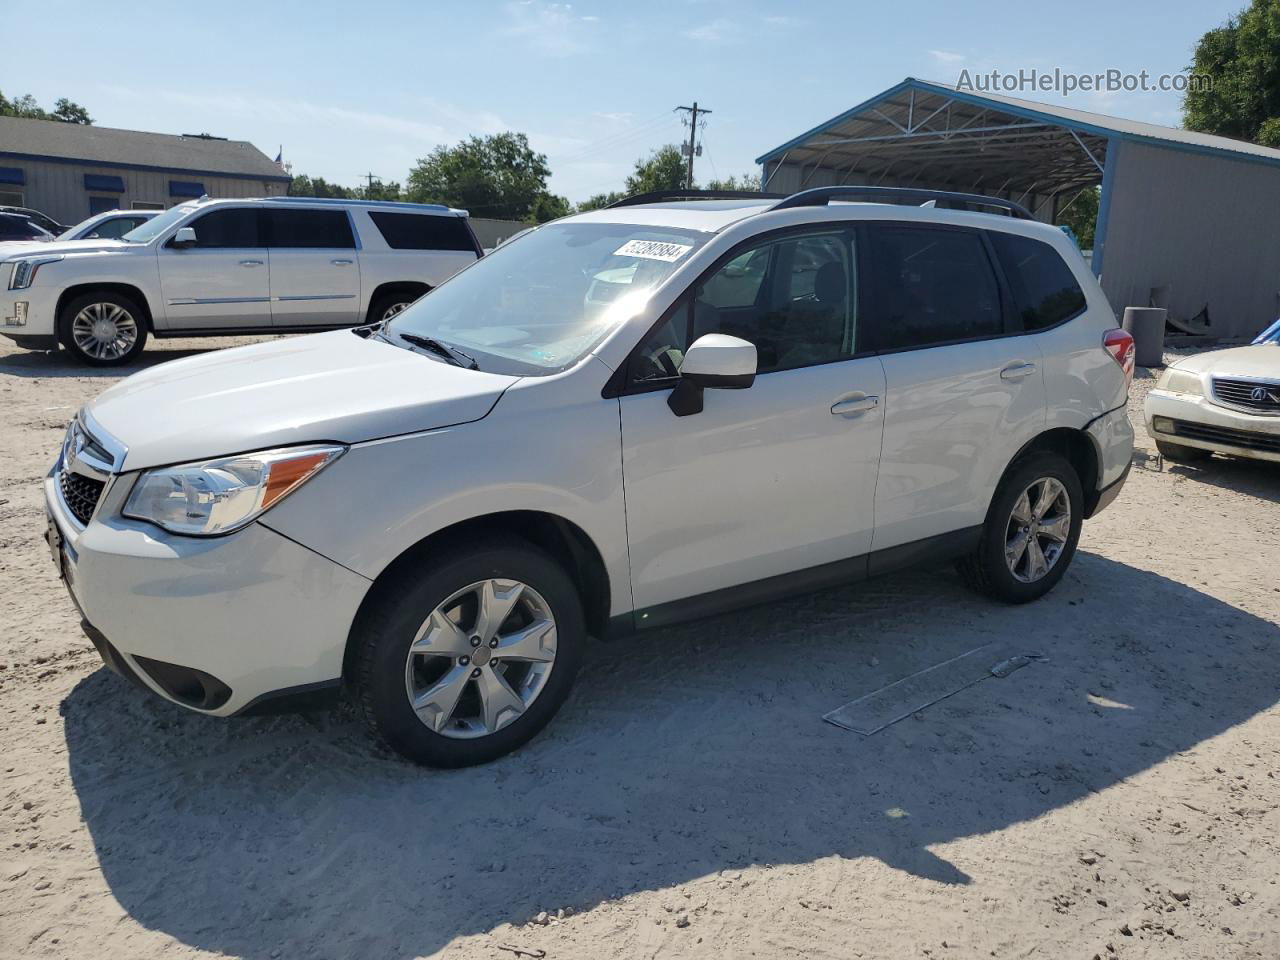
(372, 177)
(692, 148)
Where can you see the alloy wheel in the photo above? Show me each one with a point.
(1038, 528)
(392, 310)
(104, 331)
(481, 658)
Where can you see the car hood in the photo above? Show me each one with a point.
(330, 386)
(1258, 360)
(62, 247)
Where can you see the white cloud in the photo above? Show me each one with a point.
(716, 32)
(946, 56)
(552, 29)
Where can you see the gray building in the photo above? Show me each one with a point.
(70, 171)
(1186, 220)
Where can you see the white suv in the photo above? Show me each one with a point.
(623, 419)
(217, 267)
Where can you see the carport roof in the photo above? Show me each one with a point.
(133, 149)
(981, 140)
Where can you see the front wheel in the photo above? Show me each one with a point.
(465, 661)
(103, 329)
(1031, 531)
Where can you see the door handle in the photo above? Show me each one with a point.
(854, 406)
(250, 263)
(341, 263)
(1016, 371)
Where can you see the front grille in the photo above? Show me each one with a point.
(81, 493)
(1266, 442)
(1252, 395)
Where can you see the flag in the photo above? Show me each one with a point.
(280, 155)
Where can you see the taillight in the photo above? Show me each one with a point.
(1119, 343)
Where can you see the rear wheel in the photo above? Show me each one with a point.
(387, 305)
(464, 662)
(1031, 531)
(1178, 453)
(102, 329)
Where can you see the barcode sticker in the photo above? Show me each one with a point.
(653, 250)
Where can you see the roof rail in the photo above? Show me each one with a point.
(342, 201)
(819, 197)
(657, 196)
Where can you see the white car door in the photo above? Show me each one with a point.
(774, 479)
(315, 273)
(220, 281)
(962, 396)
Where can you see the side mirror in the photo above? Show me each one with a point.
(715, 361)
(185, 237)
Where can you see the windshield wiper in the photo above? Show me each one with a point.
(452, 354)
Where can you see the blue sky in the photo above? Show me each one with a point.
(350, 88)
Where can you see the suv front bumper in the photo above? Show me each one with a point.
(251, 612)
(28, 314)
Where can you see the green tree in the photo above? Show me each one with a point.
(377, 190)
(26, 106)
(498, 176)
(1235, 83)
(663, 169)
(600, 200)
(748, 181)
(304, 186)
(1081, 215)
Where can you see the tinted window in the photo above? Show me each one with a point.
(419, 231)
(114, 228)
(792, 298)
(1044, 289)
(309, 228)
(237, 227)
(13, 227)
(931, 286)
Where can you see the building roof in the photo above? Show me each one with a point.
(135, 149)
(922, 128)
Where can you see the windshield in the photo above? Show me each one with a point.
(158, 225)
(538, 304)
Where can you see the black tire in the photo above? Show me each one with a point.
(1178, 453)
(985, 570)
(384, 633)
(385, 301)
(109, 300)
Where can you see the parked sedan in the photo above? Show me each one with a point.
(111, 225)
(1222, 401)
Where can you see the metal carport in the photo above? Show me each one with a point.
(1189, 219)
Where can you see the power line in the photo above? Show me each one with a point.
(692, 149)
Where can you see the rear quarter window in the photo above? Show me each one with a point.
(1045, 291)
(421, 231)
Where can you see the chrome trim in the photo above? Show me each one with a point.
(186, 302)
(321, 296)
(1213, 397)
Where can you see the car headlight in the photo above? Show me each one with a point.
(219, 496)
(24, 271)
(1180, 381)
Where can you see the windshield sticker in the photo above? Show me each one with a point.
(653, 250)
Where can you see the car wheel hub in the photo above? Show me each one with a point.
(482, 657)
(1037, 532)
(104, 331)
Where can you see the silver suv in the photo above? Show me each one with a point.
(216, 267)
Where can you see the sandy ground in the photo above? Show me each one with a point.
(1116, 800)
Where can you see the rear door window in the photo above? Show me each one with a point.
(330, 229)
(1045, 291)
(930, 286)
(422, 231)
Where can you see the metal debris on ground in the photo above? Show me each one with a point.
(882, 708)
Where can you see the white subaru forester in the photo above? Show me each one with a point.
(625, 418)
